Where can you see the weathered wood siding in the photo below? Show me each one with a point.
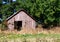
(27, 21)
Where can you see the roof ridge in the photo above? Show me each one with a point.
(18, 12)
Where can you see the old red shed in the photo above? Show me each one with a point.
(20, 19)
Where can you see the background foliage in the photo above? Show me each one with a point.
(46, 12)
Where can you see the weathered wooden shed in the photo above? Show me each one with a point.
(20, 19)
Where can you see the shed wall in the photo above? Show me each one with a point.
(27, 21)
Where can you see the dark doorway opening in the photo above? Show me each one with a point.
(18, 25)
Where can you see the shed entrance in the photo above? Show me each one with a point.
(17, 25)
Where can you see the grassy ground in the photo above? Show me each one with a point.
(38, 35)
(30, 37)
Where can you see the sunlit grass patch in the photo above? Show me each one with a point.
(29, 37)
